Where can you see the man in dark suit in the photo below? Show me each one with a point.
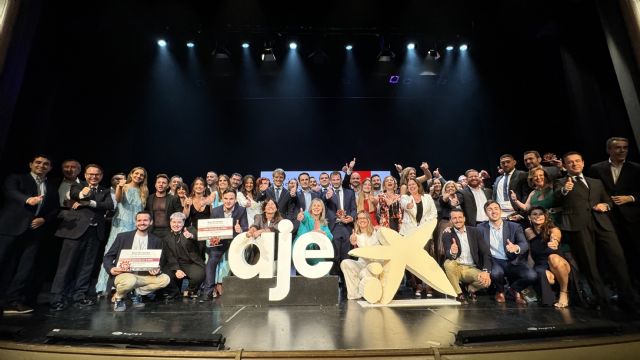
(285, 198)
(585, 221)
(30, 204)
(340, 206)
(509, 254)
(161, 205)
(183, 257)
(533, 160)
(468, 259)
(474, 196)
(217, 247)
(621, 179)
(305, 192)
(511, 179)
(82, 229)
(142, 283)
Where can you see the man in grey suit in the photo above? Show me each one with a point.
(82, 229)
(586, 224)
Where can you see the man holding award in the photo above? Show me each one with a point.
(138, 263)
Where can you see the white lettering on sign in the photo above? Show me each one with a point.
(264, 268)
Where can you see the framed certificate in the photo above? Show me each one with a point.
(139, 260)
(222, 228)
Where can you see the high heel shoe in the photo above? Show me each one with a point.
(562, 305)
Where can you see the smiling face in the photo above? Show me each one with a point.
(223, 183)
(40, 166)
(457, 219)
(70, 170)
(93, 175)
(235, 181)
(313, 182)
(304, 181)
(161, 184)
(355, 180)
(229, 200)
(537, 217)
(390, 183)
(473, 177)
(336, 180)
(493, 212)
(366, 186)
(176, 224)
(143, 221)
(316, 208)
(363, 220)
(278, 179)
(198, 187)
(270, 207)
(376, 182)
(507, 164)
(538, 179)
(574, 164)
(212, 178)
(412, 186)
(618, 150)
(531, 160)
(324, 180)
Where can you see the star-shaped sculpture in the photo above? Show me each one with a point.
(406, 252)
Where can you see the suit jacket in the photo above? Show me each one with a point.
(577, 205)
(193, 248)
(173, 205)
(517, 183)
(124, 240)
(469, 204)
(76, 222)
(628, 184)
(513, 232)
(239, 214)
(286, 204)
(553, 172)
(300, 200)
(333, 204)
(15, 214)
(479, 247)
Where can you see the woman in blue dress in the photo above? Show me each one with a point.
(131, 195)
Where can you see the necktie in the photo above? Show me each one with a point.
(338, 198)
(505, 188)
(579, 179)
(277, 194)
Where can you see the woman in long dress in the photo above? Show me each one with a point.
(131, 195)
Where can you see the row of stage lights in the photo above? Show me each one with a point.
(293, 46)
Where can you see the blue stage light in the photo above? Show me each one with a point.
(464, 47)
(245, 45)
(190, 45)
(293, 46)
(449, 47)
(349, 47)
(411, 46)
(162, 43)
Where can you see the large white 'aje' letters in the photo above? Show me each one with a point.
(264, 268)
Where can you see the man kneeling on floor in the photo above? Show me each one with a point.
(142, 282)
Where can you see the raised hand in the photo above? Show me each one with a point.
(300, 216)
(424, 166)
(568, 186)
(330, 192)
(454, 246)
(263, 187)
(85, 191)
(398, 167)
(237, 228)
(484, 174)
(436, 173)
(352, 164)
(35, 200)
(514, 197)
(122, 182)
(511, 247)
(353, 239)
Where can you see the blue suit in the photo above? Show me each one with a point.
(515, 267)
(340, 230)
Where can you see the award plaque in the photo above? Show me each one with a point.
(139, 260)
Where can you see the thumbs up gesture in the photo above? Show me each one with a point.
(352, 164)
(353, 238)
(330, 192)
(511, 247)
(85, 191)
(300, 215)
(568, 186)
(514, 197)
(237, 227)
(454, 246)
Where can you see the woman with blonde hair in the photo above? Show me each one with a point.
(389, 204)
(131, 196)
(367, 202)
(313, 220)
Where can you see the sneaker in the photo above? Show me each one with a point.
(18, 308)
(137, 301)
(57, 306)
(119, 305)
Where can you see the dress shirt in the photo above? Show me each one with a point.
(480, 199)
(496, 242)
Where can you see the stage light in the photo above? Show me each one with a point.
(463, 47)
(190, 45)
(349, 47)
(220, 53)
(411, 46)
(162, 43)
(293, 45)
(432, 55)
(245, 45)
(449, 47)
(386, 55)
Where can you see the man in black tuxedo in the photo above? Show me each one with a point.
(621, 179)
(30, 204)
(217, 247)
(284, 197)
(143, 283)
(585, 221)
(82, 229)
(341, 208)
(468, 257)
(474, 196)
(511, 179)
(161, 205)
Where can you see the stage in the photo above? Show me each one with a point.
(344, 330)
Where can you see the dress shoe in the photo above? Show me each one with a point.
(86, 302)
(500, 297)
(472, 296)
(57, 306)
(517, 297)
(462, 299)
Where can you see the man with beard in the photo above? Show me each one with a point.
(161, 205)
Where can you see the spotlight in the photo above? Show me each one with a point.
(433, 55)
(245, 45)
(349, 47)
(386, 55)
(220, 53)
(162, 43)
(190, 45)
(293, 45)
(411, 46)
(463, 47)
(268, 55)
(449, 47)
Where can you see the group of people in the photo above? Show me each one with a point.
(508, 236)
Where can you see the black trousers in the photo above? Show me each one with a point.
(75, 266)
(195, 274)
(592, 241)
(19, 252)
(341, 246)
(628, 233)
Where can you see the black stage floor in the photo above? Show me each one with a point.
(345, 326)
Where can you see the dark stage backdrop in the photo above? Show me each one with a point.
(98, 89)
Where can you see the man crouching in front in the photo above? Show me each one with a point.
(142, 283)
